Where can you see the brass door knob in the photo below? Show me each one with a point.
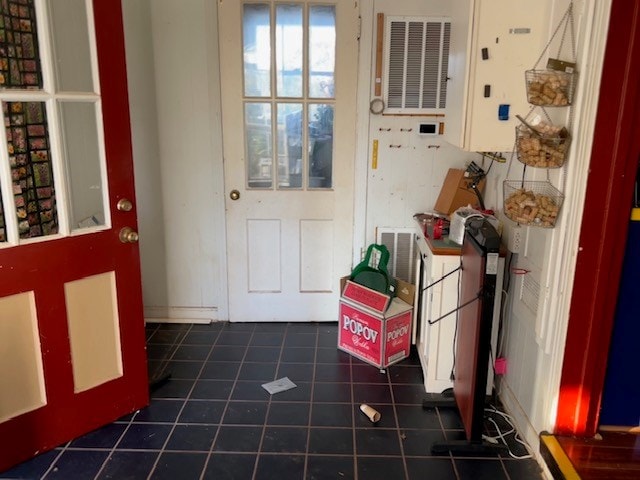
(234, 195)
(129, 235)
(124, 205)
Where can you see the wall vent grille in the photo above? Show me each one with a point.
(402, 251)
(417, 62)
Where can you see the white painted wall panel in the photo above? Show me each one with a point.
(173, 77)
(316, 272)
(146, 154)
(264, 247)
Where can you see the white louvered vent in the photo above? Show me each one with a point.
(417, 62)
(402, 251)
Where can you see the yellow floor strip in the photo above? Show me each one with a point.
(564, 463)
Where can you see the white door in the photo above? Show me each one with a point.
(289, 77)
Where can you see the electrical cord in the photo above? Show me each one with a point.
(502, 435)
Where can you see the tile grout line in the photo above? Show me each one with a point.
(186, 398)
(313, 381)
(226, 406)
(398, 429)
(450, 455)
(353, 419)
(266, 415)
(124, 432)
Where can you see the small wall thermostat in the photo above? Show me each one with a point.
(428, 128)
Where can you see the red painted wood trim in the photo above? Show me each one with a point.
(614, 160)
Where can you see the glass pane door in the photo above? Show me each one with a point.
(288, 135)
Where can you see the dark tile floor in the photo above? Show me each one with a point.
(213, 420)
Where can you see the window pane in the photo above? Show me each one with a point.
(290, 145)
(256, 28)
(72, 55)
(31, 173)
(322, 51)
(320, 145)
(257, 118)
(289, 50)
(83, 164)
(19, 56)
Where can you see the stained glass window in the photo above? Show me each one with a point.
(19, 57)
(31, 169)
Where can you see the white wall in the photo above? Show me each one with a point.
(144, 132)
(178, 157)
(535, 333)
(408, 178)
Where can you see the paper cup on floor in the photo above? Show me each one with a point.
(371, 413)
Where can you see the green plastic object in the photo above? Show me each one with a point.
(372, 271)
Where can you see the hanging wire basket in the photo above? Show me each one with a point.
(542, 146)
(554, 86)
(532, 203)
(550, 88)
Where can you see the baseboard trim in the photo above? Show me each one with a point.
(523, 426)
(180, 314)
(619, 428)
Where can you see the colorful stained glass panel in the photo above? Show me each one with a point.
(19, 56)
(31, 170)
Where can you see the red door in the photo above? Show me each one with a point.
(72, 343)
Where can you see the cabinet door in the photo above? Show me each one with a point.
(441, 335)
(493, 43)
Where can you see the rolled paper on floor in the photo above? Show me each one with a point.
(370, 412)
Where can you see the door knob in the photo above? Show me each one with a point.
(129, 235)
(124, 205)
(234, 194)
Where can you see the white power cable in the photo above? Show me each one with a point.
(501, 435)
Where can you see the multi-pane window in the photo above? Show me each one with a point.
(52, 178)
(289, 98)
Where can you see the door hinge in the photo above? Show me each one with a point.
(359, 27)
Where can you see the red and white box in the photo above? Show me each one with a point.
(373, 327)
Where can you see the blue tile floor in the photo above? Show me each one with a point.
(213, 420)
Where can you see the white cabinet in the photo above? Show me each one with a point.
(493, 43)
(435, 343)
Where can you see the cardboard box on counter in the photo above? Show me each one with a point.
(456, 192)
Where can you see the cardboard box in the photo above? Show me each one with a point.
(374, 327)
(405, 291)
(456, 192)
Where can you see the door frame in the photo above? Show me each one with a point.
(604, 222)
